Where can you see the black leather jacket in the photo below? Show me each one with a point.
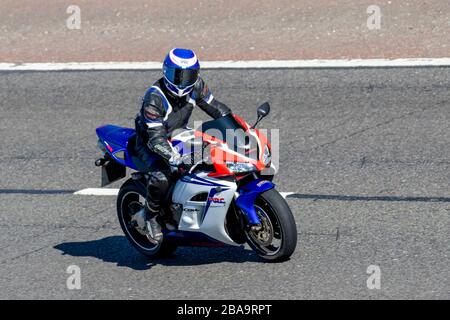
(162, 113)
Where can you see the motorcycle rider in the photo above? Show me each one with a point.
(167, 106)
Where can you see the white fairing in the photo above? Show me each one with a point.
(196, 217)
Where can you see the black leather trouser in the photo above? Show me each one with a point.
(159, 178)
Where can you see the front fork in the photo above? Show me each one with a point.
(247, 196)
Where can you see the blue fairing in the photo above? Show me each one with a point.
(181, 147)
(247, 196)
(116, 139)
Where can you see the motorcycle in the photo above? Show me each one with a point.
(223, 199)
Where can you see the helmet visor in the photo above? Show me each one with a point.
(182, 78)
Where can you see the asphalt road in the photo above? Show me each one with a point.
(365, 151)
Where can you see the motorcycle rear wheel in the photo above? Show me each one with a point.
(130, 199)
(277, 238)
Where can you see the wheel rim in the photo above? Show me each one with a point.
(268, 240)
(131, 203)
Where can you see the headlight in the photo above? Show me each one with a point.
(240, 167)
(267, 156)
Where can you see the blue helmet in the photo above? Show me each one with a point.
(180, 69)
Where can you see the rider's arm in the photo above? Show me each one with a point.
(206, 101)
(152, 113)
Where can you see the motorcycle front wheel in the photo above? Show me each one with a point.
(276, 239)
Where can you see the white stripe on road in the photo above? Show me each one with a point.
(115, 192)
(98, 192)
(251, 64)
(285, 194)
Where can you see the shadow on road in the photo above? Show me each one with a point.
(116, 249)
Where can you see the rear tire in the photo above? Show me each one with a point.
(277, 240)
(131, 196)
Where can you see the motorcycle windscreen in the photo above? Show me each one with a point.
(112, 171)
(227, 129)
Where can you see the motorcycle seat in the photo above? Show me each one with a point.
(132, 153)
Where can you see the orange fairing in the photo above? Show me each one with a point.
(262, 138)
(241, 122)
(220, 154)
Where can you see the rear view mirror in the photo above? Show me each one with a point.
(263, 110)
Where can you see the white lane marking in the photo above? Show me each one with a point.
(98, 192)
(250, 64)
(285, 194)
(115, 192)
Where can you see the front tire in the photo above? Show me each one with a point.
(277, 239)
(130, 200)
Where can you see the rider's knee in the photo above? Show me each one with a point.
(159, 179)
